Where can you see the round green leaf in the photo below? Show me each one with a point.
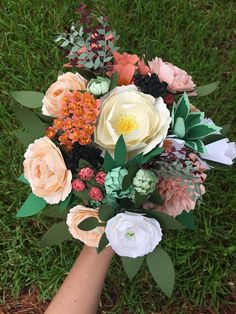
(28, 99)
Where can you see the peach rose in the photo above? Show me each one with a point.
(65, 82)
(76, 215)
(176, 78)
(45, 169)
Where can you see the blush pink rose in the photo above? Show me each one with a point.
(100, 177)
(95, 194)
(54, 95)
(45, 169)
(176, 78)
(76, 215)
(86, 173)
(78, 185)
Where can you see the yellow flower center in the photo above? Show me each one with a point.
(125, 125)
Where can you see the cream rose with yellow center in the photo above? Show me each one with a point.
(45, 169)
(140, 118)
(76, 215)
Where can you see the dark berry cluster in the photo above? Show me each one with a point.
(150, 84)
(88, 153)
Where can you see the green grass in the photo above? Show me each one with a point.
(197, 35)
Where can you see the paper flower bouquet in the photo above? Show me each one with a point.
(117, 148)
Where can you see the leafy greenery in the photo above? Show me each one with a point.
(196, 36)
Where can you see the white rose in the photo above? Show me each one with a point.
(221, 151)
(65, 82)
(45, 169)
(142, 119)
(132, 234)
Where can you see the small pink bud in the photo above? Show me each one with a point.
(100, 177)
(78, 185)
(86, 173)
(95, 194)
(168, 99)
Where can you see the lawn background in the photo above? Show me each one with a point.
(198, 36)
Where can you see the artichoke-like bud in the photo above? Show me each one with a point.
(144, 181)
(113, 183)
(99, 86)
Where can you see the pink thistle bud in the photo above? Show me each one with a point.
(78, 185)
(100, 177)
(95, 194)
(86, 173)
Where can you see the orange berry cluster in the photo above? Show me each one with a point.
(76, 119)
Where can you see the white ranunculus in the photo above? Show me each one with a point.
(221, 151)
(132, 234)
(142, 120)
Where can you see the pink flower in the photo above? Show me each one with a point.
(86, 173)
(95, 194)
(143, 69)
(78, 185)
(125, 66)
(176, 197)
(100, 177)
(176, 78)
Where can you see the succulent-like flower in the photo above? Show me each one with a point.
(99, 86)
(144, 181)
(113, 183)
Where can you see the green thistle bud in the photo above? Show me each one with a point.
(113, 183)
(98, 86)
(144, 181)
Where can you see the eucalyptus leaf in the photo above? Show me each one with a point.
(162, 270)
(28, 99)
(24, 137)
(132, 265)
(57, 234)
(33, 205)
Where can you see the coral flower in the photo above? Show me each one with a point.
(124, 66)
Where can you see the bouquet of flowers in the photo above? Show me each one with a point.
(117, 149)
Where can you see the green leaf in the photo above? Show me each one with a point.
(58, 233)
(152, 154)
(32, 124)
(108, 162)
(166, 221)
(88, 224)
(87, 74)
(31, 206)
(207, 89)
(183, 106)
(162, 270)
(132, 265)
(136, 160)
(28, 99)
(105, 212)
(114, 81)
(200, 146)
(225, 129)
(128, 179)
(45, 119)
(82, 195)
(22, 179)
(156, 198)
(120, 152)
(187, 219)
(102, 243)
(212, 138)
(54, 212)
(139, 199)
(179, 128)
(64, 204)
(201, 130)
(24, 137)
(191, 144)
(193, 118)
(84, 163)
